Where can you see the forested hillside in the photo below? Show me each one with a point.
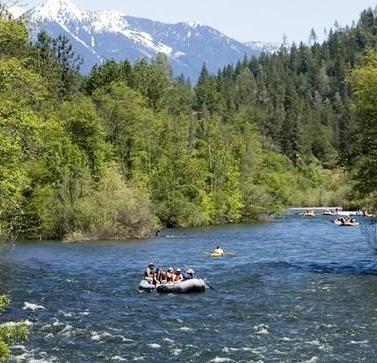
(129, 149)
(299, 97)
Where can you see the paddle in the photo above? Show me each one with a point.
(209, 285)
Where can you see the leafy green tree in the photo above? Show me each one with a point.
(364, 82)
(103, 75)
(130, 127)
(69, 64)
(153, 80)
(20, 145)
(208, 99)
(86, 130)
(14, 37)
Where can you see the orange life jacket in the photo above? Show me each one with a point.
(178, 277)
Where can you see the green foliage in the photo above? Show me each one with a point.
(113, 210)
(9, 333)
(14, 37)
(20, 145)
(208, 97)
(4, 302)
(364, 81)
(69, 66)
(302, 91)
(153, 80)
(116, 153)
(131, 128)
(20, 84)
(107, 73)
(86, 130)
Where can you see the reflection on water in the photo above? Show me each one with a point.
(297, 290)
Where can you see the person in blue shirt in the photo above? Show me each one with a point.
(189, 274)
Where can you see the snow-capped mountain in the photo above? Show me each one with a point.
(101, 35)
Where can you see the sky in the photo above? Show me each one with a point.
(243, 20)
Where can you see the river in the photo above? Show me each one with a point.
(297, 290)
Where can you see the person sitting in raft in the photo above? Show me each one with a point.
(218, 251)
(149, 273)
(158, 276)
(178, 276)
(163, 277)
(189, 274)
(170, 275)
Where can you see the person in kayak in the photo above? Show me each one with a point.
(218, 251)
(189, 274)
(178, 276)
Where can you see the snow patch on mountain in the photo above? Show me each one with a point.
(147, 41)
(77, 39)
(194, 24)
(178, 54)
(17, 11)
(61, 11)
(106, 21)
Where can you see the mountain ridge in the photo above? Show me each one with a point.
(98, 35)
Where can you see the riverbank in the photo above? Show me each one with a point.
(150, 229)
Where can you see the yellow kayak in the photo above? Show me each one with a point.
(217, 255)
(214, 254)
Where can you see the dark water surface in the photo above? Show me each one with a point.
(297, 291)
